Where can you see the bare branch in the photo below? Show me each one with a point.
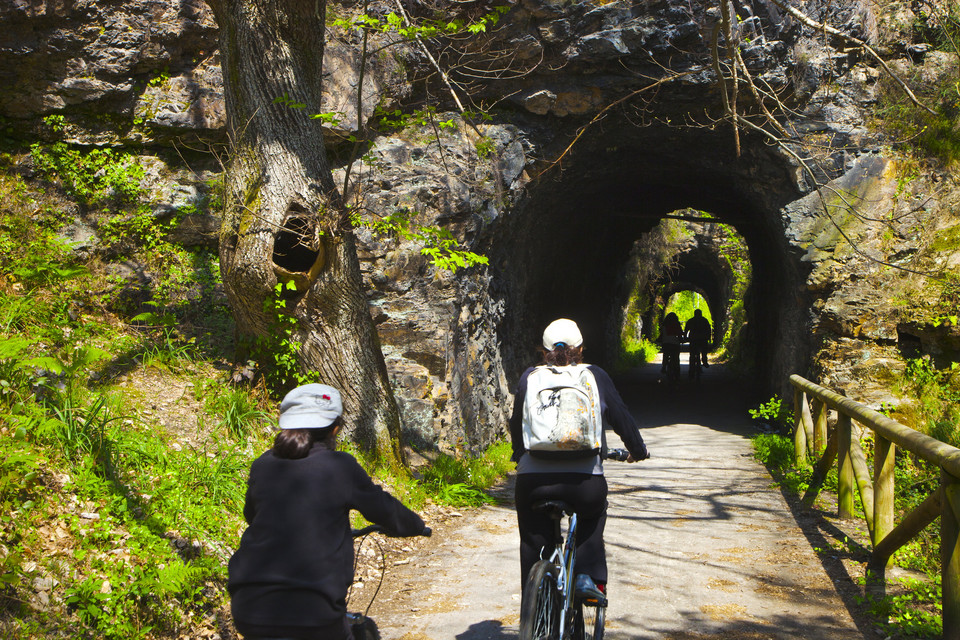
(827, 29)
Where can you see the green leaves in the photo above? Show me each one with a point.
(440, 246)
(91, 175)
(278, 352)
(331, 118)
(394, 23)
(773, 410)
(287, 101)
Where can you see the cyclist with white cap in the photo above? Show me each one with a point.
(577, 480)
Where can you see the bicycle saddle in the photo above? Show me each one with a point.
(553, 508)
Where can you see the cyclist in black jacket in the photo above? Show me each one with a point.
(579, 482)
(290, 575)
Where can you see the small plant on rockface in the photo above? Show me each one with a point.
(936, 406)
(393, 23)
(140, 227)
(159, 78)
(931, 133)
(485, 147)
(56, 123)
(444, 251)
(93, 176)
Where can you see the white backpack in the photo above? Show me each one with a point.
(561, 413)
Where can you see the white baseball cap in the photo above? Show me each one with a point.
(311, 406)
(562, 331)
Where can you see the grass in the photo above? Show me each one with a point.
(635, 352)
(462, 481)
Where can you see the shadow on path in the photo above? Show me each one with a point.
(700, 543)
(721, 402)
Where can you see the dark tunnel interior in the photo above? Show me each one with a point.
(565, 252)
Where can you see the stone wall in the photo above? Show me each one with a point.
(826, 301)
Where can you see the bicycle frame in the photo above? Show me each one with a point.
(564, 556)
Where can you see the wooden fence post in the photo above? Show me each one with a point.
(950, 555)
(808, 423)
(884, 454)
(845, 483)
(799, 431)
(819, 425)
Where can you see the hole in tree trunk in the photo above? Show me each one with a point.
(298, 254)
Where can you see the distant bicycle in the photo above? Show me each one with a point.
(671, 363)
(695, 368)
(558, 604)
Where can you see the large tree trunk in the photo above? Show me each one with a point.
(285, 219)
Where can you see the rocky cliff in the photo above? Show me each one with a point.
(854, 247)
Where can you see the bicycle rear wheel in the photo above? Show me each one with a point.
(588, 624)
(541, 608)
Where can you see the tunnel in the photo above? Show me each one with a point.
(563, 251)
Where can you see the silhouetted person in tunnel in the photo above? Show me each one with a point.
(697, 332)
(671, 335)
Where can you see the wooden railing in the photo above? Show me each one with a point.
(877, 492)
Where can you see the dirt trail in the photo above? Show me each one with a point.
(700, 543)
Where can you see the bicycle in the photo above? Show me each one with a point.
(694, 365)
(363, 626)
(556, 603)
(671, 363)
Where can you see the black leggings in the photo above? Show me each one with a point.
(339, 630)
(587, 494)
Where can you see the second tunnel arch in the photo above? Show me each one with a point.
(706, 257)
(562, 251)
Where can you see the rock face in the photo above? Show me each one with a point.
(849, 257)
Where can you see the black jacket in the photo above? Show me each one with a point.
(295, 560)
(614, 411)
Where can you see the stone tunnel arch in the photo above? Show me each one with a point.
(562, 250)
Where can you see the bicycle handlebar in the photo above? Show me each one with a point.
(376, 528)
(620, 455)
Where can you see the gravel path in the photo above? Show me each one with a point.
(700, 543)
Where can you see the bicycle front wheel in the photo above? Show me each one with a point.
(541, 608)
(588, 624)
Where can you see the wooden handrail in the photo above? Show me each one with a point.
(877, 493)
(930, 449)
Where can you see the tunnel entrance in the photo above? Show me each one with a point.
(567, 251)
